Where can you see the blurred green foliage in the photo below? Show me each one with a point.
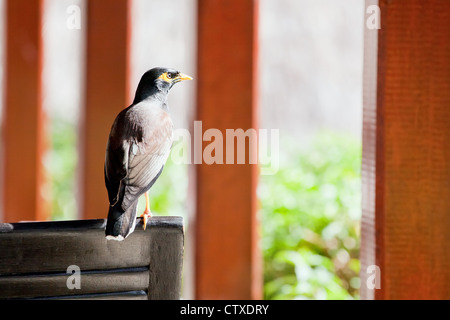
(311, 221)
(60, 163)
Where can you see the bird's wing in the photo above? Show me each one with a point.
(116, 159)
(138, 148)
(146, 160)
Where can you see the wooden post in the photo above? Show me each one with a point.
(107, 93)
(227, 262)
(406, 153)
(23, 135)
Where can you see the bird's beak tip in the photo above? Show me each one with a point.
(185, 77)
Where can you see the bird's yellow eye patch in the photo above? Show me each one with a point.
(172, 77)
(166, 77)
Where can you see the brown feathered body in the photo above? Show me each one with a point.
(138, 147)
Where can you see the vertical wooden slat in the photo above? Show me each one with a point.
(23, 135)
(370, 172)
(227, 255)
(166, 258)
(406, 161)
(106, 94)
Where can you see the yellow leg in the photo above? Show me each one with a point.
(147, 213)
(147, 204)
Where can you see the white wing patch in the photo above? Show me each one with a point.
(134, 149)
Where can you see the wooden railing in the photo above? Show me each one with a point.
(73, 260)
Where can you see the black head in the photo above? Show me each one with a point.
(158, 81)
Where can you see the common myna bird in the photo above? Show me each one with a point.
(138, 147)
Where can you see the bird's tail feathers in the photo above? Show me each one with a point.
(120, 223)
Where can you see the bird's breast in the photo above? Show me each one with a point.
(149, 128)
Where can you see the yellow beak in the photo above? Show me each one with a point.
(183, 77)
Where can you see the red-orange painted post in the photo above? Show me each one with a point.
(23, 135)
(406, 168)
(227, 264)
(106, 93)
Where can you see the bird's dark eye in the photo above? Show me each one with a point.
(169, 75)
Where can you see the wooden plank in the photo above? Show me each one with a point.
(23, 134)
(106, 94)
(127, 295)
(135, 295)
(166, 263)
(47, 285)
(406, 163)
(32, 249)
(227, 264)
(35, 252)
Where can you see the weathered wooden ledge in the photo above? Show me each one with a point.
(35, 257)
